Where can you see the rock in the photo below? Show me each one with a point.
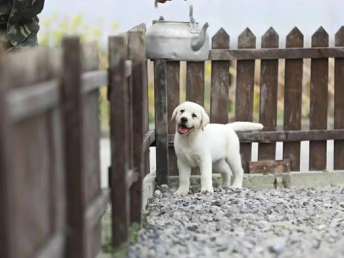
(157, 193)
(278, 247)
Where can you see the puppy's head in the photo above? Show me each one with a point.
(189, 117)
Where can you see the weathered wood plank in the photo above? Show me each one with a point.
(44, 66)
(318, 101)
(271, 53)
(287, 136)
(6, 217)
(29, 101)
(132, 177)
(71, 101)
(96, 209)
(119, 112)
(90, 56)
(195, 82)
(268, 94)
(244, 90)
(220, 81)
(54, 248)
(149, 140)
(269, 166)
(161, 121)
(93, 81)
(91, 143)
(137, 51)
(291, 135)
(173, 94)
(339, 101)
(293, 98)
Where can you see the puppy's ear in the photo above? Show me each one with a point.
(205, 119)
(174, 114)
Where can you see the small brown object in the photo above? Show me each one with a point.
(269, 166)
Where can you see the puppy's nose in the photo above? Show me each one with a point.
(183, 119)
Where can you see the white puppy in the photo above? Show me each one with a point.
(207, 146)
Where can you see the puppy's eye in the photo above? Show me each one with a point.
(194, 115)
(182, 111)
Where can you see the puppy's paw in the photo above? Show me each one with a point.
(182, 191)
(236, 186)
(207, 190)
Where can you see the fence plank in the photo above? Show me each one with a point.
(34, 100)
(195, 82)
(6, 234)
(173, 94)
(318, 101)
(293, 98)
(139, 83)
(220, 81)
(268, 94)
(161, 121)
(339, 102)
(244, 90)
(73, 131)
(119, 140)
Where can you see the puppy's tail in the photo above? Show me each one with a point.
(245, 126)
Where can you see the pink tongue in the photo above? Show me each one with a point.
(183, 130)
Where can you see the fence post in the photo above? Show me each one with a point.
(245, 90)
(339, 102)
(293, 98)
(161, 121)
(319, 101)
(173, 94)
(195, 82)
(268, 94)
(220, 81)
(6, 234)
(119, 125)
(71, 101)
(139, 102)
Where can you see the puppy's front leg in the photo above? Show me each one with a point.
(206, 174)
(184, 178)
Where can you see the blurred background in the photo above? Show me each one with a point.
(96, 20)
(106, 16)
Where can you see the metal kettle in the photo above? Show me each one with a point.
(174, 40)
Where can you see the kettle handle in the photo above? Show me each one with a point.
(192, 19)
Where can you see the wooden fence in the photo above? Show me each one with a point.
(51, 197)
(130, 138)
(167, 92)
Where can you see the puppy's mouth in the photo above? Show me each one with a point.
(184, 130)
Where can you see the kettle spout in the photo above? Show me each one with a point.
(198, 42)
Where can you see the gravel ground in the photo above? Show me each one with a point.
(244, 223)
